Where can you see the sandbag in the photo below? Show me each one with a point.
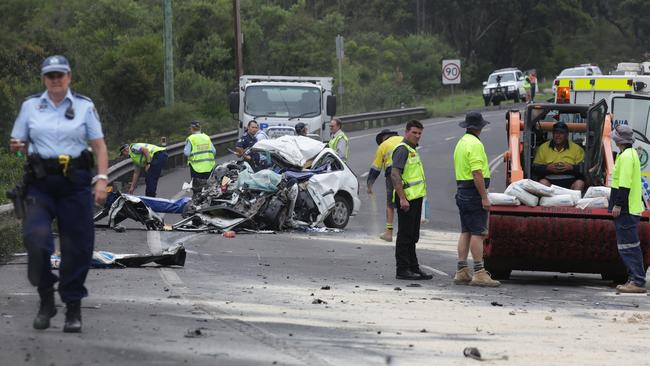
(598, 191)
(594, 202)
(536, 188)
(502, 199)
(561, 200)
(516, 190)
(557, 190)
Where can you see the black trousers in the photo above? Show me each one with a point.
(408, 233)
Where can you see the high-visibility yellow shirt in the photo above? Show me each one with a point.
(546, 155)
(470, 156)
(627, 173)
(384, 153)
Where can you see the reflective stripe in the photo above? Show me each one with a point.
(407, 185)
(628, 246)
(604, 84)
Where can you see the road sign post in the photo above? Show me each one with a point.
(451, 75)
(339, 58)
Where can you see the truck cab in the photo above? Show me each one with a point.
(278, 103)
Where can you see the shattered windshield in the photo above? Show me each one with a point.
(282, 101)
(504, 77)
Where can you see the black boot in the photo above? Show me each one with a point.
(72, 317)
(46, 310)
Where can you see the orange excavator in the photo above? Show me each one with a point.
(558, 239)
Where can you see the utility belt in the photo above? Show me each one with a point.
(38, 167)
(469, 184)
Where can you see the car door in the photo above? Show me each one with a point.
(634, 111)
(593, 163)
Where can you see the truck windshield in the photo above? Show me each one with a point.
(504, 77)
(282, 101)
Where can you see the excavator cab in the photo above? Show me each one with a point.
(558, 239)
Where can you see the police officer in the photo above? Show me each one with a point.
(54, 129)
(200, 154)
(339, 140)
(626, 207)
(409, 181)
(247, 140)
(149, 157)
(301, 129)
(472, 182)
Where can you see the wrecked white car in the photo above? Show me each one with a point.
(291, 181)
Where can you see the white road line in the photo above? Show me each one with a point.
(495, 163)
(437, 271)
(364, 175)
(450, 138)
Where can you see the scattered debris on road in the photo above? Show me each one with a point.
(172, 256)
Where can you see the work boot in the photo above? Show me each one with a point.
(46, 310)
(630, 288)
(387, 235)
(463, 276)
(73, 317)
(483, 279)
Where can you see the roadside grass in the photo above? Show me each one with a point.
(462, 101)
(11, 171)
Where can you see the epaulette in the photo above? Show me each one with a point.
(81, 96)
(34, 96)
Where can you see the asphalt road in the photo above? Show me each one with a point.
(327, 298)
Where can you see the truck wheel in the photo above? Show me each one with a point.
(502, 274)
(340, 214)
(617, 278)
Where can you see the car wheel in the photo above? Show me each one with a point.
(340, 214)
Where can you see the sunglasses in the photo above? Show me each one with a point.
(54, 75)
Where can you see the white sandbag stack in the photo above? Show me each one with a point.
(593, 202)
(598, 191)
(536, 188)
(576, 195)
(560, 200)
(517, 190)
(502, 199)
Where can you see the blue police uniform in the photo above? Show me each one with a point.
(66, 194)
(246, 142)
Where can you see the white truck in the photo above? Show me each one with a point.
(278, 103)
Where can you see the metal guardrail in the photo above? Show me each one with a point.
(125, 167)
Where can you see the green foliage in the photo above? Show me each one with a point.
(11, 172)
(393, 50)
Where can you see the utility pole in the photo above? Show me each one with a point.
(339, 57)
(238, 40)
(169, 59)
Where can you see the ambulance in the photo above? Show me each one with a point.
(628, 101)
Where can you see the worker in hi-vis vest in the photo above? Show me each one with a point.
(200, 153)
(339, 141)
(147, 157)
(409, 182)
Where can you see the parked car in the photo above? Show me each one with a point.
(504, 84)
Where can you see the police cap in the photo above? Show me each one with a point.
(56, 63)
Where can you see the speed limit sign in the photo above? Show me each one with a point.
(450, 72)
